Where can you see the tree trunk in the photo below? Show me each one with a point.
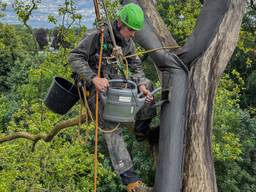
(209, 55)
(199, 174)
(174, 76)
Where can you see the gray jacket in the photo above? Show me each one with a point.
(84, 58)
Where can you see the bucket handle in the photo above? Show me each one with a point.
(123, 81)
(140, 101)
(152, 93)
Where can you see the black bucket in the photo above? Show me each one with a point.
(62, 96)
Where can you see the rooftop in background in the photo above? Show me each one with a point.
(39, 17)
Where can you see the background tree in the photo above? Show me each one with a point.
(2, 8)
(244, 56)
(41, 38)
(59, 39)
(65, 163)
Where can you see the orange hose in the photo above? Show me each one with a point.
(97, 115)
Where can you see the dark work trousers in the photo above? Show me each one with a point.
(119, 155)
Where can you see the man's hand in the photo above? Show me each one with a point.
(100, 83)
(146, 92)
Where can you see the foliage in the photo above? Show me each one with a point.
(112, 7)
(66, 163)
(24, 9)
(62, 34)
(250, 92)
(226, 144)
(2, 8)
(179, 16)
(14, 57)
(41, 37)
(63, 164)
(69, 14)
(234, 131)
(244, 56)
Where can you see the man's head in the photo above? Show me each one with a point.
(131, 19)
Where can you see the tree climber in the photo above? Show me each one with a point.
(84, 61)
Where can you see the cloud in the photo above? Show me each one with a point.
(49, 7)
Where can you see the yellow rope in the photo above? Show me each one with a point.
(80, 115)
(110, 131)
(126, 68)
(88, 110)
(152, 50)
(143, 52)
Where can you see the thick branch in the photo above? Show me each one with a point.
(199, 173)
(43, 136)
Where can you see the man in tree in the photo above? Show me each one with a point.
(84, 60)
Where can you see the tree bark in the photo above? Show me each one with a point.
(199, 174)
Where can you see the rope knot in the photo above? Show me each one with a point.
(117, 52)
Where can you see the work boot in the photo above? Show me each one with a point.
(138, 186)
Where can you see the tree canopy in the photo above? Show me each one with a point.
(66, 163)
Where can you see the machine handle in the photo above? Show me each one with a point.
(123, 81)
(141, 101)
(152, 93)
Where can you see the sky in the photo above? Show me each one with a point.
(39, 17)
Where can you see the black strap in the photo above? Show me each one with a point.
(159, 103)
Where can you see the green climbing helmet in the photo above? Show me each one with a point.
(132, 16)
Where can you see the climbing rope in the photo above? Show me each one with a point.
(97, 114)
(101, 28)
